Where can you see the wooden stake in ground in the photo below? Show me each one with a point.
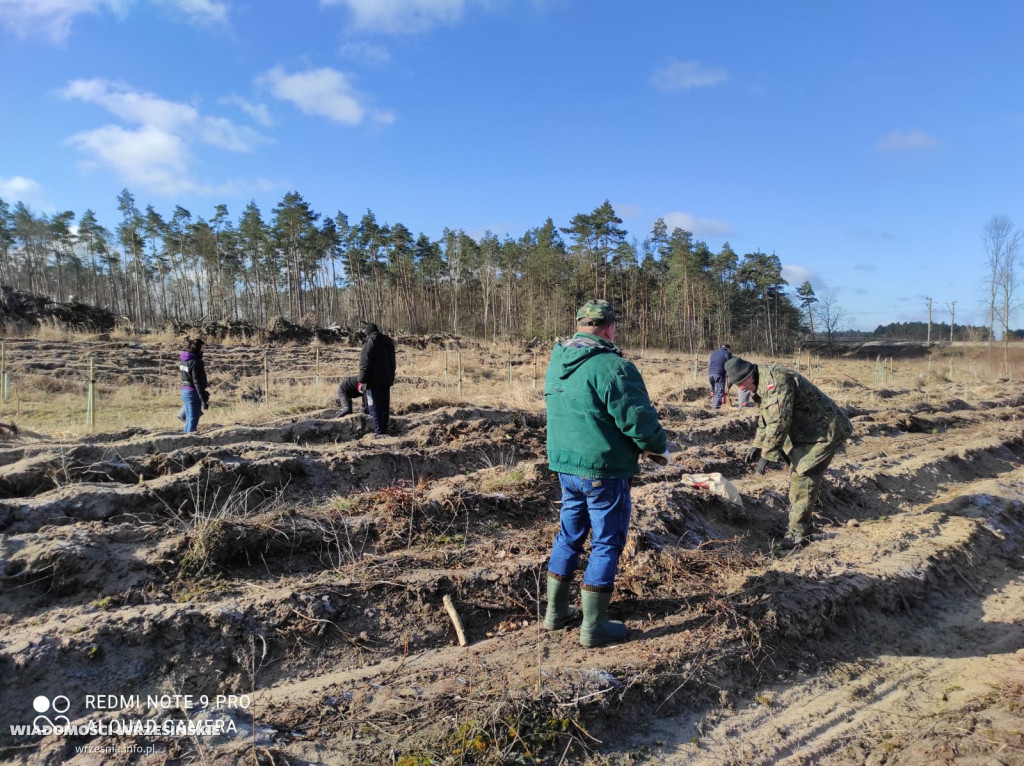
(449, 607)
(90, 406)
(266, 379)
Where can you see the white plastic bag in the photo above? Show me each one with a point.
(716, 484)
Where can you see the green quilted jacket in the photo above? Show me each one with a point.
(600, 418)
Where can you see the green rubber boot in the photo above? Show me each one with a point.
(597, 629)
(559, 612)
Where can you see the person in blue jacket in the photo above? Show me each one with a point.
(716, 374)
(599, 421)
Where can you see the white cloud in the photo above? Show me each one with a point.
(132, 106)
(54, 18)
(27, 190)
(684, 75)
(201, 12)
(366, 53)
(19, 188)
(51, 18)
(322, 92)
(797, 275)
(222, 132)
(149, 156)
(907, 141)
(402, 16)
(701, 227)
(259, 112)
(154, 153)
(152, 111)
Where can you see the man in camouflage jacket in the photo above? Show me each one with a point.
(798, 424)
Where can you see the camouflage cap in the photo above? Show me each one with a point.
(738, 370)
(595, 313)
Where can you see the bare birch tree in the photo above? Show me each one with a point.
(1000, 242)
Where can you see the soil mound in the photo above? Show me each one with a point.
(23, 310)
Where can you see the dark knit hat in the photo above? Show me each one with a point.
(595, 313)
(738, 370)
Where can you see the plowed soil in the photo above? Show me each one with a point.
(302, 565)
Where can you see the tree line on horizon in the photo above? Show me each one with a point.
(939, 331)
(670, 289)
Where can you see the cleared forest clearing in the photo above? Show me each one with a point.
(286, 559)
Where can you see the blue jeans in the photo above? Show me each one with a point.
(193, 408)
(378, 402)
(717, 390)
(600, 506)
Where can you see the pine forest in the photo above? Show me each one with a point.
(671, 290)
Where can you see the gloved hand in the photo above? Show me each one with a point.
(752, 454)
(762, 466)
(661, 458)
(360, 387)
(206, 405)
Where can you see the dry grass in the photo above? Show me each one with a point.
(53, 331)
(49, 404)
(160, 337)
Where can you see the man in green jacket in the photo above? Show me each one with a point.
(600, 420)
(798, 424)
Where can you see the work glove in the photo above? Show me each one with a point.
(762, 466)
(206, 405)
(661, 458)
(360, 387)
(752, 454)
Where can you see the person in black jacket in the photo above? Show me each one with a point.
(377, 375)
(348, 390)
(194, 396)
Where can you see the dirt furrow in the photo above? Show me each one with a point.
(800, 595)
(893, 689)
(200, 483)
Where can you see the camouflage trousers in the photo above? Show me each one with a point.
(808, 463)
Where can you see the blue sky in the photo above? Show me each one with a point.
(867, 144)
